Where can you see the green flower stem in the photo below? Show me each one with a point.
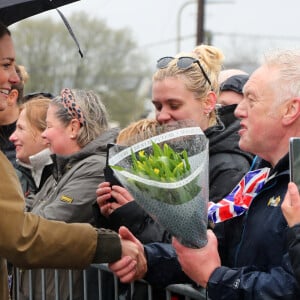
(164, 165)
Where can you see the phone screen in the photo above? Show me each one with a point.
(295, 160)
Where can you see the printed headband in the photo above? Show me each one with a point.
(70, 104)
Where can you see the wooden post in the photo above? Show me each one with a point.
(200, 23)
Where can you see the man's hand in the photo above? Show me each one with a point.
(291, 205)
(133, 264)
(199, 264)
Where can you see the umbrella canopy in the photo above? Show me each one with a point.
(12, 11)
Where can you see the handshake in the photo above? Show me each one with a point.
(133, 264)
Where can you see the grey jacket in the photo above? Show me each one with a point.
(68, 195)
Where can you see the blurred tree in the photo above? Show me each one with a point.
(112, 66)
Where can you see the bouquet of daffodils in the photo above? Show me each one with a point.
(167, 175)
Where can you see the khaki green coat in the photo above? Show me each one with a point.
(29, 241)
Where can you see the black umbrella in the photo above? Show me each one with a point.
(12, 11)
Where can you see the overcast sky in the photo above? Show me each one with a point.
(157, 25)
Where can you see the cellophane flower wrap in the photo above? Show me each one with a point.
(167, 175)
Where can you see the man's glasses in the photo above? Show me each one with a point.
(183, 62)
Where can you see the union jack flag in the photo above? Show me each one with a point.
(239, 200)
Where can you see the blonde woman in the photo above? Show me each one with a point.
(185, 87)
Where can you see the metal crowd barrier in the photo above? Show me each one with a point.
(186, 290)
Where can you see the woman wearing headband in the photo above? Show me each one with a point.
(77, 134)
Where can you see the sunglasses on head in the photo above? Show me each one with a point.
(183, 62)
(37, 94)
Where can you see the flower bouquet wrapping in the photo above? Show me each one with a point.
(167, 175)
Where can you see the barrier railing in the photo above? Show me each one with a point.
(186, 290)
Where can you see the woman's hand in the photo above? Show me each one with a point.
(105, 192)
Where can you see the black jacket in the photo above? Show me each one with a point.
(6, 146)
(227, 162)
(293, 238)
(137, 221)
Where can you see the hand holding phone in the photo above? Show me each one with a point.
(109, 173)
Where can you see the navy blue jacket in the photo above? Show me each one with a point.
(293, 237)
(253, 247)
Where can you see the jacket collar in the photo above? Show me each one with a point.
(37, 164)
(281, 167)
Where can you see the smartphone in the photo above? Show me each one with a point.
(109, 173)
(294, 158)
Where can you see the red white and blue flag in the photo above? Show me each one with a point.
(239, 200)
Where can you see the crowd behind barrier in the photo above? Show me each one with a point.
(186, 290)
